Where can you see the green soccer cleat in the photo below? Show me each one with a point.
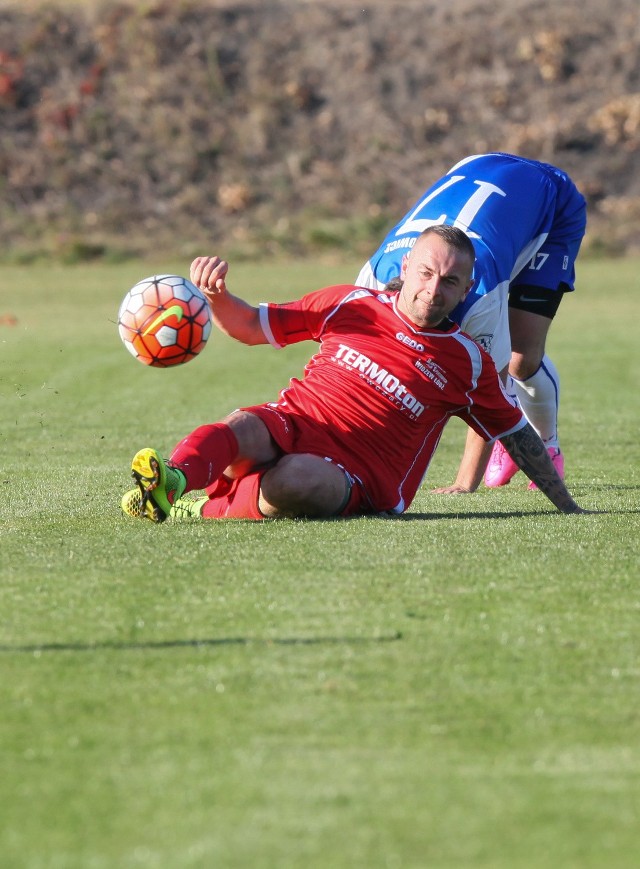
(188, 508)
(156, 482)
(184, 508)
(132, 505)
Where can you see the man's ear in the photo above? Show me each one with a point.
(468, 290)
(403, 265)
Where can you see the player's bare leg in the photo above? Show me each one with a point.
(528, 339)
(303, 485)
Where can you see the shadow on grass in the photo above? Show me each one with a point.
(112, 645)
(515, 514)
(511, 514)
(423, 517)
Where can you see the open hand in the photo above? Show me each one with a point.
(451, 490)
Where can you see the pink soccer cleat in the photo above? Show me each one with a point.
(501, 467)
(558, 462)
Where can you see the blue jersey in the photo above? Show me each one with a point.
(525, 219)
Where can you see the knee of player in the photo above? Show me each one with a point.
(286, 487)
(276, 485)
(524, 365)
(299, 485)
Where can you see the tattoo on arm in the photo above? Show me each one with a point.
(529, 453)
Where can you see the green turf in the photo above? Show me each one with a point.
(455, 688)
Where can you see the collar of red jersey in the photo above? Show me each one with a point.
(445, 325)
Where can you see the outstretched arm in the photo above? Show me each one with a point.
(232, 315)
(528, 452)
(473, 464)
(472, 467)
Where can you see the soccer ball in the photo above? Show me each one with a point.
(164, 320)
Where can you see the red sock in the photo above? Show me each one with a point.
(204, 454)
(235, 499)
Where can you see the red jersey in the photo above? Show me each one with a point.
(381, 390)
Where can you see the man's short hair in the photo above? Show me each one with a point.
(453, 236)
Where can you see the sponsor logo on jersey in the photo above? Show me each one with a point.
(380, 378)
(432, 371)
(409, 342)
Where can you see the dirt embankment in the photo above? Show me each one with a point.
(293, 126)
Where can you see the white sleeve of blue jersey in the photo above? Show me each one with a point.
(366, 278)
(487, 322)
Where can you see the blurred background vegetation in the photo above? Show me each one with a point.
(293, 128)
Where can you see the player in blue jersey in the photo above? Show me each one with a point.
(526, 221)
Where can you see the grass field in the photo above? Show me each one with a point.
(458, 687)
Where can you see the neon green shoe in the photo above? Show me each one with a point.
(156, 482)
(188, 508)
(132, 505)
(184, 508)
